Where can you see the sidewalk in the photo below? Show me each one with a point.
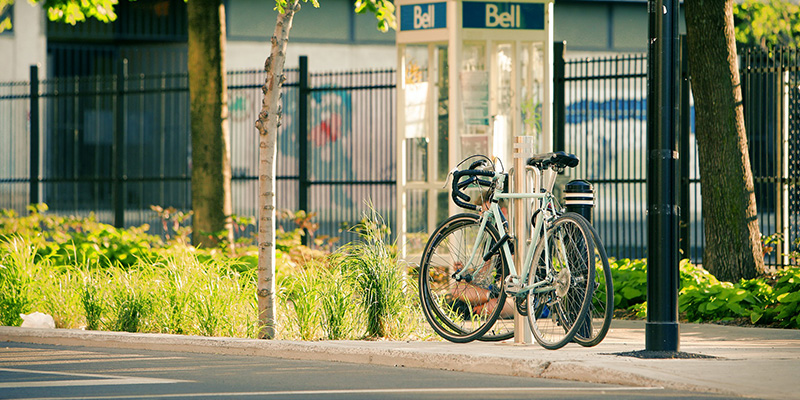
(750, 362)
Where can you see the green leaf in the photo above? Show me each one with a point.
(715, 305)
(755, 316)
(789, 297)
(631, 293)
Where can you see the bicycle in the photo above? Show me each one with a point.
(467, 271)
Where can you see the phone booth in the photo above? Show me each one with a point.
(473, 75)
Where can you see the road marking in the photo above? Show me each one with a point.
(88, 360)
(58, 356)
(98, 380)
(451, 391)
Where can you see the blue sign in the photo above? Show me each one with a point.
(416, 17)
(486, 15)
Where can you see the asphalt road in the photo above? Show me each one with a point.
(30, 371)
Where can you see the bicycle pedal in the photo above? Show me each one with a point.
(513, 284)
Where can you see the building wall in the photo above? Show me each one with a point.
(332, 36)
(25, 45)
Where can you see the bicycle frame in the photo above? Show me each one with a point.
(494, 215)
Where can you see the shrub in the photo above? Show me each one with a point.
(630, 282)
(787, 298)
(16, 260)
(703, 298)
(77, 241)
(379, 278)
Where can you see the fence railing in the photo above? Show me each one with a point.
(604, 123)
(113, 145)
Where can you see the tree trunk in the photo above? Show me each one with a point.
(211, 166)
(267, 124)
(733, 240)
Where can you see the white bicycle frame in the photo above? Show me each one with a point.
(493, 213)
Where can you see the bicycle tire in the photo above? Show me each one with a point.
(445, 302)
(601, 308)
(555, 315)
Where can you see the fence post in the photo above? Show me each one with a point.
(302, 140)
(559, 98)
(782, 151)
(118, 152)
(684, 233)
(34, 173)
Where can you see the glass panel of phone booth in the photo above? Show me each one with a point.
(416, 108)
(503, 100)
(532, 88)
(475, 117)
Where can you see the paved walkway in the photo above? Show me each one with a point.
(748, 362)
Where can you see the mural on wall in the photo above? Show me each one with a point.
(329, 132)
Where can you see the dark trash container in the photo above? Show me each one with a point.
(579, 198)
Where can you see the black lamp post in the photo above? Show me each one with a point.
(663, 77)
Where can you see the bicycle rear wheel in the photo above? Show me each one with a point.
(557, 308)
(461, 311)
(601, 308)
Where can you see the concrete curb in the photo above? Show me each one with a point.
(425, 355)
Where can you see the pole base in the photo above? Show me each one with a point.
(662, 336)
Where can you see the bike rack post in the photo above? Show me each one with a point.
(520, 217)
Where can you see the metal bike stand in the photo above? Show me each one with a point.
(520, 217)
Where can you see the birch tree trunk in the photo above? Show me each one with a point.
(269, 119)
(733, 239)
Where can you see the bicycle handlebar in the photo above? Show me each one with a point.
(473, 174)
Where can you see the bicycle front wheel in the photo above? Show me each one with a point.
(462, 311)
(601, 307)
(563, 278)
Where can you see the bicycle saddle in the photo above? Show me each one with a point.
(559, 159)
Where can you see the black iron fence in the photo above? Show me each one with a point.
(771, 94)
(604, 123)
(113, 145)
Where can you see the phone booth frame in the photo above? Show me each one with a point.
(504, 55)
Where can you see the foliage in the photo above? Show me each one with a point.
(787, 299)
(770, 242)
(16, 259)
(172, 222)
(359, 290)
(74, 240)
(630, 282)
(378, 276)
(92, 303)
(769, 300)
(767, 23)
(176, 288)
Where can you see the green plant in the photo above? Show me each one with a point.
(787, 298)
(240, 225)
(173, 223)
(16, 260)
(92, 302)
(379, 278)
(303, 294)
(337, 298)
(130, 301)
(630, 282)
